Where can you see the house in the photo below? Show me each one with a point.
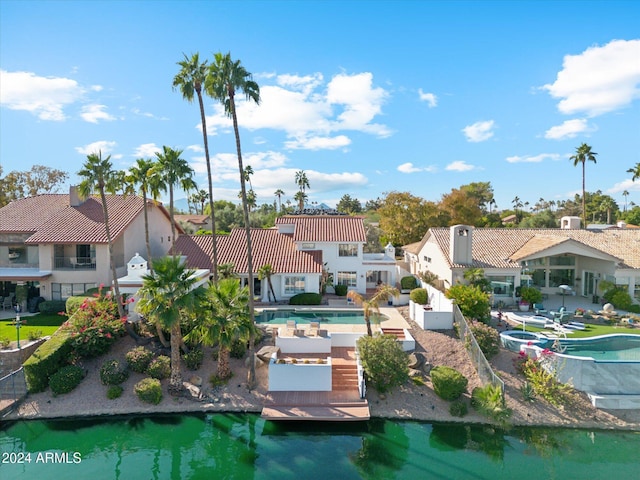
(300, 249)
(57, 243)
(194, 222)
(545, 258)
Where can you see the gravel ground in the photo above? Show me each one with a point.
(411, 401)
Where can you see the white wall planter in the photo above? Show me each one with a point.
(432, 320)
(299, 376)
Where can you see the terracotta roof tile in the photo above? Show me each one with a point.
(326, 228)
(28, 214)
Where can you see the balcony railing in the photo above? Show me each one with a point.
(74, 263)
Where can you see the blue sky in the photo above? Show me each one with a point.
(367, 97)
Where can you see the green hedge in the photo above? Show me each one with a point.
(448, 383)
(149, 390)
(52, 306)
(341, 290)
(306, 299)
(408, 283)
(47, 360)
(66, 379)
(73, 303)
(419, 296)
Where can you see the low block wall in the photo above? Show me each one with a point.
(303, 344)
(12, 360)
(299, 377)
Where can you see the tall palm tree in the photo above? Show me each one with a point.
(227, 320)
(517, 203)
(607, 205)
(97, 175)
(265, 272)
(176, 173)
(635, 171)
(166, 294)
(190, 79)
(278, 193)
(625, 194)
(225, 78)
(372, 305)
(301, 198)
(582, 156)
(303, 183)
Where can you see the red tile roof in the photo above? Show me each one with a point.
(326, 228)
(28, 214)
(268, 247)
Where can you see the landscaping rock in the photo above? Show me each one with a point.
(414, 373)
(196, 380)
(266, 352)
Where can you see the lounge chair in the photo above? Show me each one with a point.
(539, 308)
(314, 328)
(7, 303)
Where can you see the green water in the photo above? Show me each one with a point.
(305, 316)
(243, 446)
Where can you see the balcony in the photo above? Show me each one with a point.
(74, 263)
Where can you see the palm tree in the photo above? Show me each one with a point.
(176, 172)
(372, 305)
(635, 171)
(190, 79)
(583, 154)
(301, 198)
(278, 193)
(607, 205)
(98, 175)
(225, 77)
(166, 294)
(265, 272)
(227, 320)
(303, 183)
(625, 194)
(517, 203)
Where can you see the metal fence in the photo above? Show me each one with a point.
(485, 372)
(13, 388)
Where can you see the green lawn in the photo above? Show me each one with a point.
(591, 330)
(46, 323)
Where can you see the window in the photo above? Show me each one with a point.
(293, 285)
(308, 246)
(502, 285)
(62, 291)
(348, 250)
(559, 277)
(562, 261)
(350, 279)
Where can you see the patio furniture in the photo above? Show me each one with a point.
(314, 328)
(539, 308)
(7, 303)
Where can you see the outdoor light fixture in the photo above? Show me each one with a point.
(564, 288)
(18, 323)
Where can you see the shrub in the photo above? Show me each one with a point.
(160, 367)
(149, 390)
(114, 392)
(531, 295)
(341, 290)
(5, 342)
(96, 326)
(448, 383)
(306, 299)
(543, 381)
(634, 308)
(194, 358)
(113, 373)
(385, 364)
(473, 302)
(528, 394)
(66, 379)
(488, 401)
(487, 337)
(138, 359)
(74, 303)
(48, 359)
(622, 300)
(34, 335)
(238, 349)
(52, 306)
(419, 296)
(458, 408)
(408, 283)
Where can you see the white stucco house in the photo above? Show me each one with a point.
(545, 258)
(57, 243)
(299, 248)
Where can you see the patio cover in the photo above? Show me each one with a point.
(23, 274)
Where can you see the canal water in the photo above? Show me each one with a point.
(244, 446)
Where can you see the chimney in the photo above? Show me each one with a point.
(622, 224)
(570, 223)
(460, 245)
(75, 200)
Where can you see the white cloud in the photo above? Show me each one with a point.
(146, 150)
(568, 129)
(534, 158)
(601, 79)
(430, 98)
(102, 146)
(479, 131)
(410, 168)
(93, 113)
(45, 97)
(318, 143)
(459, 166)
(626, 184)
(195, 148)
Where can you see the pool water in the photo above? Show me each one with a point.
(610, 347)
(307, 315)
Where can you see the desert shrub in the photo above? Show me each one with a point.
(114, 391)
(48, 359)
(52, 306)
(448, 383)
(543, 380)
(66, 379)
(194, 358)
(385, 363)
(138, 359)
(341, 290)
(160, 367)
(527, 391)
(238, 348)
(419, 296)
(621, 300)
(34, 335)
(113, 372)
(472, 301)
(408, 283)
(96, 326)
(487, 337)
(306, 299)
(488, 400)
(5, 342)
(458, 408)
(149, 390)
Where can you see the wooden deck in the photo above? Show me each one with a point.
(342, 404)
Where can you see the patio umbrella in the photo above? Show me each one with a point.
(564, 288)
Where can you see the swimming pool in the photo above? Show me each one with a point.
(513, 339)
(619, 347)
(306, 315)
